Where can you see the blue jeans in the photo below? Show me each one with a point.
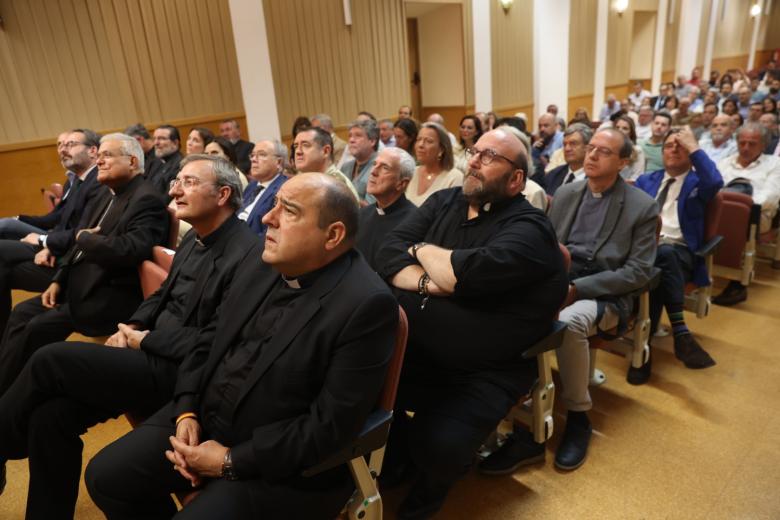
(12, 229)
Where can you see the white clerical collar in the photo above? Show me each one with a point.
(380, 211)
(292, 283)
(486, 207)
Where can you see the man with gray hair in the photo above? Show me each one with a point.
(753, 172)
(575, 141)
(392, 171)
(267, 174)
(325, 122)
(96, 283)
(644, 125)
(230, 129)
(386, 134)
(363, 145)
(438, 118)
(67, 387)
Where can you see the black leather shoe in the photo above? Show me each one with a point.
(574, 446)
(2, 478)
(519, 449)
(396, 475)
(640, 376)
(733, 294)
(421, 503)
(688, 350)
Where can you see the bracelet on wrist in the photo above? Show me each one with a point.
(187, 415)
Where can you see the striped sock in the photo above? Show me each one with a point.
(678, 322)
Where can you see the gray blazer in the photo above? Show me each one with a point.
(625, 247)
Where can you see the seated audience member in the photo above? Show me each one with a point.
(325, 122)
(480, 275)
(294, 370)
(96, 282)
(683, 87)
(436, 169)
(708, 113)
(644, 125)
(636, 167)
(736, 121)
(719, 143)
(66, 388)
(470, 130)
(672, 104)
(611, 106)
(404, 112)
(770, 105)
(682, 115)
(405, 131)
(659, 101)
(639, 94)
(167, 157)
(729, 107)
(267, 175)
(609, 229)
(393, 169)
(755, 111)
(144, 138)
(769, 121)
(696, 103)
(581, 115)
(221, 147)
(548, 141)
(575, 141)
(682, 191)
(743, 101)
(230, 129)
(653, 147)
(532, 191)
(198, 139)
(313, 152)
(362, 145)
(28, 263)
(439, 120)
(753, 172)
(386, 134)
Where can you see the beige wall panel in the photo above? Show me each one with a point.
(468, 45)
(703, 30)
(512, 55)
(732, 37)
(342, 70)
(641, 48)
(441, 56)
(619, 35)
(582, 47)
(105, 64)
(772, 36)
(670, 38)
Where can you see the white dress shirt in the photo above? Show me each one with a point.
(244, 214)
(670, 221)
(764, 177)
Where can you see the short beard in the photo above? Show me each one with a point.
(487, 192)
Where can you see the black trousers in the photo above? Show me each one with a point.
(452, 417)
(676, 264)
(18, 271)
(64, 389)
(131, 479)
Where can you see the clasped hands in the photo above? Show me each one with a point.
(127, 337)
(191, 458)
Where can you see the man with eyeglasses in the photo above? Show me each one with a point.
(609, 229)
(167, 157)
(66, 388)
(96, 282)
(480, 275)
(28, 264)
(267, 174)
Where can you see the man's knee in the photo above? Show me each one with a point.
(444, 446)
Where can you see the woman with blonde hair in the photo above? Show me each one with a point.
(436, 167)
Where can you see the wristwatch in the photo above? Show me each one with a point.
(416, 247)
(228, 473)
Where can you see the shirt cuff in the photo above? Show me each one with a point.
(43, 239)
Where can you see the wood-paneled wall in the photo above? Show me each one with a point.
(321, 65)
(582, 48)
(512, 54)
(109, 63)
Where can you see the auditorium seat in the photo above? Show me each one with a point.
(769, 243)
(698, 299)
(366, 502)
(52, 195)
(738, 225)
(173, 228)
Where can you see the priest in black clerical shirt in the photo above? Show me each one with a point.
(480, 275)
(393, 169)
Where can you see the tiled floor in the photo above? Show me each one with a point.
(688, 445)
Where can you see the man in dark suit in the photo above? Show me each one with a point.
(392, 171)
(480, 275)
(28, 263)
(609, 229)
(231, 130)
(682, 190)
(267, 174)
(575, 139)
(295, 369)
(167, 157)
(96, 283)
(68, 387)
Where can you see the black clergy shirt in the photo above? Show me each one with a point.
(376, 223)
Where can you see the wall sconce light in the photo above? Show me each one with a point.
(620, 6)
(506, 5)
(755, 10)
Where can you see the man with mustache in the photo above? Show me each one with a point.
(480, 275)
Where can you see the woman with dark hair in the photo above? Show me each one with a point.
(436, 165)
(491, 121)
(636, 167)
(405, 131)
(198, 139)
(770, 105)
(671, 103)
(729, 107)
(223, 148)
(470, 130)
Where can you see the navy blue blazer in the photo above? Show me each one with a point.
(554, 178)
(701, 184)
(266, 202)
